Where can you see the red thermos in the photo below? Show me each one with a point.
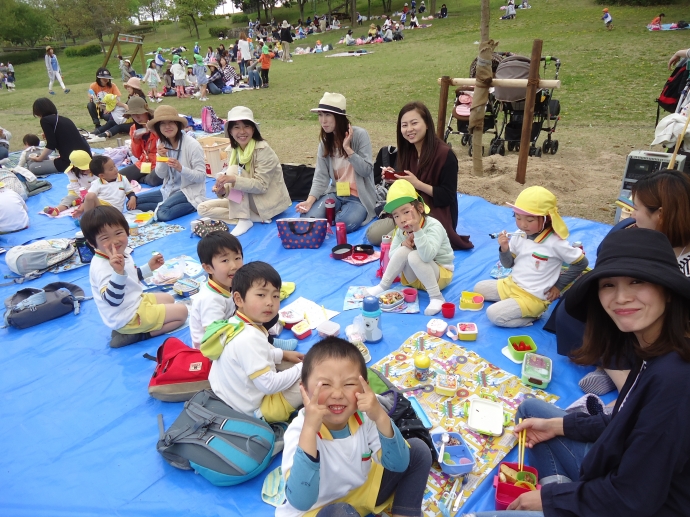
(330, 212)
(341, 233)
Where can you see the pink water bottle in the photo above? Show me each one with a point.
(330, 212)
(341, 233)
(385, 255)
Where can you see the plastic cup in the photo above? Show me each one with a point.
(523, 475)
(448, 310)
(409, 294)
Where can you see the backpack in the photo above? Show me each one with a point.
(386, 157)
(30, 183)
(400, 410)
(30, 306)
(32, 260)
(210, 122)
(671, 92)
(223, 445)
(12, 182)
(181, 371)
(298, 179)
(202, 227)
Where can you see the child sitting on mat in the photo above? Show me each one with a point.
(115, 282)
(110, 188)
(420, 251)
(343, 421)
(535, 257)
(80, 177)
(220, 254)
(251, 376)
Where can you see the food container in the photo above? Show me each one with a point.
(422, 363)
(485, 416)
(133, 229)
(460, 459)
(341, 251)
(363, 350)
(436, 327)
(515, 342)
(467, 331)
(506, 493)
(367, 249)
(410, 294)
(301, 330)
(536, 370)
(328, 329)
(215, 153)
(289, 318)
(470, 301)
(186, 287)
(446, 385)
(390, 299)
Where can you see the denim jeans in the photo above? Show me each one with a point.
(408, 486)
(558, 456)
(4, 152)
(213, 89)
(174, 207)
(254, 79)
(348, 210)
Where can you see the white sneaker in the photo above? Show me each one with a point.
(94, 139)
(197, 94)
(289, 60)
(204, 99)
(159, 99)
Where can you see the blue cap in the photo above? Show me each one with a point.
(371, 304)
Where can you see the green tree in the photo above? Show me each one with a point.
(23, 23)
(153, 9)
(97, 17)
(192, 10)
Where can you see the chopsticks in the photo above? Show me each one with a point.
(521, 448)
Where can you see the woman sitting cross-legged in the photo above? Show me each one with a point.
(180, 163)
(252, 189)
(634, 462)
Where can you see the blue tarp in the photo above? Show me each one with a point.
(78, 429)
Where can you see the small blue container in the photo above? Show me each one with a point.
(457, 453)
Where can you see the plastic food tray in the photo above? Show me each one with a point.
(467, 302)
(458, 453)
(387, 306)
(536, 370)
(485, 416)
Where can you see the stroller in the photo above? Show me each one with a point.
(512, 100)
(463, 102)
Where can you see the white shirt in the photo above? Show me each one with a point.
(13, 212)
(76, 183)
(208, 305)
(344, 464)
(112, 192)
(538, 264)
(100, 274)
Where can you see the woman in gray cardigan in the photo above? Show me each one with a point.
(344, 168)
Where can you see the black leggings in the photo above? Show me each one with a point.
(264, 76)
(132, 172)
(95, 114)
(113, 128)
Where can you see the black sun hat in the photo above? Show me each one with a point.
(635, 252)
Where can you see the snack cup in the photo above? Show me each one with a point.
(526, 476)
(448, 310)
(410, 294)
(470, 301)
(289, 319)
(519, 355)
(436, 327)
(467, 331)
(301, 330)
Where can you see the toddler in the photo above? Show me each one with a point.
(608, 19)
(343, 455)
(535, 257)
(31, 145)
(110, 188)
(80, 178)
(250, 375)
(179, 75)
(152, 79)
(420, 250)
(132, 315)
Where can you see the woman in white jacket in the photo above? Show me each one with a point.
(53, 69)
(180, 164)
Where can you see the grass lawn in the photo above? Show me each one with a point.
(609, 78)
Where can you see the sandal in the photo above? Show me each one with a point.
(51, 210)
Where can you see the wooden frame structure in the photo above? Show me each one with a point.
(127, 38)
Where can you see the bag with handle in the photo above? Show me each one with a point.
(223, 445)
(302, 233)
(181, 372)
(210, 122)
(30, 306)
(33, 259)
(202, 227)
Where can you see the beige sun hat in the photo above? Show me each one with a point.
(134, 82)
(333, 103)
(285, 24)
(164, 113)
(241, 113)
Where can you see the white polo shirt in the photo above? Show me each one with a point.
(211, 303)
(112, 192)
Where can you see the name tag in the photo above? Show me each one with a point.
(342, 188)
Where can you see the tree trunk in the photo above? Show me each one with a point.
(369, 10)
(481, 90)
(433, 8)
(330, 15)
(353, 21)
(196, 27)
(99, 34)
(301, 9)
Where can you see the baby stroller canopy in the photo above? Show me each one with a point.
(512, 67)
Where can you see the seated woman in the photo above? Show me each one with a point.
(216, 82)
(103, 86)
(444, 12)
(431, 166)
(635, 461)
(344, 168)
(61, 135)
(119, 122)
(144, 145)
(180, 164)
(252, 189)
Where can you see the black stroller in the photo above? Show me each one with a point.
(512, 100)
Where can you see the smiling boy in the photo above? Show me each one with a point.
(110, 189)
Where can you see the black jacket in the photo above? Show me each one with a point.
(285, 35)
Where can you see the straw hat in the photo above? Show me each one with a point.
(49, 48)
(137, 106)
(332, 103)
(134, 82)
(372, 26)
(285, 24)
(212, 62)
(78, 159)
(164, 113)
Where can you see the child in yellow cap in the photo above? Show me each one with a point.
(420, 250)
(535, 257)
(80, 179)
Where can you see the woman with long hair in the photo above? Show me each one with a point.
(430, 165)
(119, 121)
(635, 461)
(252, 188)
(144, 144)
(344, 168)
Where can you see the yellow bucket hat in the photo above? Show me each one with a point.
(401, 192)
(80, 160)
(538, 201)
(110, 101)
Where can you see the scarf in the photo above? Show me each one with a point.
(243, 156)
(447, 215)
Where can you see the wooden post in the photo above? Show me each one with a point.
(119, 49)
(110, 50)
(532, 83)
(442, 106)
(141, 55)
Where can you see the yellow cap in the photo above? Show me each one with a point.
(79, 159)
(538, 201)
(401, 192)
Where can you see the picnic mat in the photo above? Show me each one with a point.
(477, 377)
(148, 233)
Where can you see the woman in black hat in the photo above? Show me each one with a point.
(635, 461)
(103, 86)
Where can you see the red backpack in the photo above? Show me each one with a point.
(670, 94)
(181, 372)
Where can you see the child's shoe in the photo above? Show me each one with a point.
(118, 340)
(51, 210)
(285, 344)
